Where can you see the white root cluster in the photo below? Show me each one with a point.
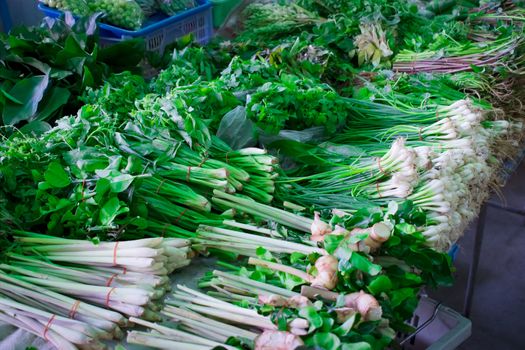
(455, 172)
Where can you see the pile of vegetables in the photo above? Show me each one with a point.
(327, 158)
(44, 70)
(127, 14)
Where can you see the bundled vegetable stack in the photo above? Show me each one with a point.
(59, 289)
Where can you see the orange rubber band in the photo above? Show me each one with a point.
(74, 309)
(115, 254)
(46, 329)
(108, 295)
(180, 216)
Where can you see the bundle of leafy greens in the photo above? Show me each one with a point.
(44, 70)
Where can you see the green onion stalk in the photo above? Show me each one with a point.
(461, 57)
(369, 178)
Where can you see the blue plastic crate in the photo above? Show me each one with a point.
(159, 30)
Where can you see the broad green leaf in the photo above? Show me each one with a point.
(102, 187)
(30, 92)
(35, 128)
(356, 346)
(380, 284)
(111, 210)
(56, 176)
(310, 313)
(55, 98)
(363, 264)
(121, 183)
(324, 340)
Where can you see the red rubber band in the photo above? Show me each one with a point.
(188, 174)
(82, 190)
(378, 192)
(160, 186)
(379, 166)
(46, 329)
(164, 228)
(110, 280)
(108, 295)
(115, 254)
(74, 309)
(124, 270)
(204, 160)
(180, 216)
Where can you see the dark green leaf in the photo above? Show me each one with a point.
(30, 92)
(56, 176)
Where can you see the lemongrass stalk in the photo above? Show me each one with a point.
(160, 342)
(37, 329)
(302, 248)
(197, 320)
(51, 296)
(262, 286)
(251, 207)
(30, 237)
(122, 307)
(280, 267)
(45, 302)
(216, 304)
(176, 335)
(75, 327)
(262, 230)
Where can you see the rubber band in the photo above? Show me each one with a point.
(378, 192)
(124, 270)
(110, 280)
(115, 254)
(108, 295)
(160, 186)
(420, 136)
(380, 167)
(74, 309)
(227, 159)
(82, 190)
(437, 115)
(188, 174)
(204, 160)
(46, 329)
(164, 228)
(180, 216)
